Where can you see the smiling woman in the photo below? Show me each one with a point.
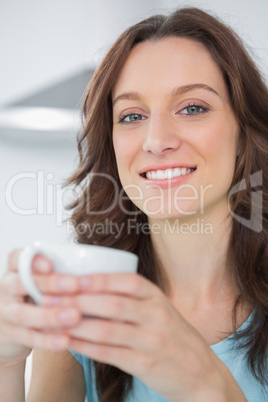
(174, 140)
(183, 122)
(171, 135)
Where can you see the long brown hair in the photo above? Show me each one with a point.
(248, 250)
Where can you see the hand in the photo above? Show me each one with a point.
(142, 333)
(24, 326)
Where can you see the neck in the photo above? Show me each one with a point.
(193, 253)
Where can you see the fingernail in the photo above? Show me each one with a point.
(60, 342)
(68, 316)
(85, 282)
(50, 301)
(41, 265)
(67, 283)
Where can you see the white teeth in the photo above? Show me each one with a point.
(160, 174)
(168, 173)
(177, 172)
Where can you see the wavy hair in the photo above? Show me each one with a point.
(248, 249)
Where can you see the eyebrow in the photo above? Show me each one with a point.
(177, 91)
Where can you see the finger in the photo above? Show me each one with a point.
(35, 339)
(41, 264)
(59, 284)
(113, 307)
(50, 284)
(12, 261)
(116, 333)
(13, 285)
(27, 315)
(124, 283)
(127, 359)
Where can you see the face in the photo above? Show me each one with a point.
(174, 133)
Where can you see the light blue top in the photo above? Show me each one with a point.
(225, 350)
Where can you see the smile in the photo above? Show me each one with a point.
(167, 173)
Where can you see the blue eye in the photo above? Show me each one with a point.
(193, 110)
(131, 118)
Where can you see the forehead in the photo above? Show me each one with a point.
(166, 63)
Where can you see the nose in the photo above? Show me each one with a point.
(161, 136)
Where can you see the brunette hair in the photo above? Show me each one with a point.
(248, 250)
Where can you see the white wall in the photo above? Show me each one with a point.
(42, 41)
(31, 200)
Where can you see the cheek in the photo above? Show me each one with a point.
(219, 150)
(219, 141)
(124, 153)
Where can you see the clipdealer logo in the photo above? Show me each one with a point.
(46, 196)
(49, 198)
(255, 221)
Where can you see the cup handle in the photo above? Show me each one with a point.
(25, 270)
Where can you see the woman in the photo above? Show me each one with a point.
(175, 131)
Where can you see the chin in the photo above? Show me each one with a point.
(183, 211)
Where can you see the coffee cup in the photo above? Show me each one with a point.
(74, 259)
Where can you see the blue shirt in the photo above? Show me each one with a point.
(234, 359)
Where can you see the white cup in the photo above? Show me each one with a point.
(75, 259)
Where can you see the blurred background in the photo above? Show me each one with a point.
(49, 50)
